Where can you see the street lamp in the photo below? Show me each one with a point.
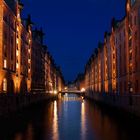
(83, 90)
(55, 92)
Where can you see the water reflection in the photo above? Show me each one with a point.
(71, 97)
(55, 123)
(83, 121)
(29, 132)
(18, 136)
(68, 120)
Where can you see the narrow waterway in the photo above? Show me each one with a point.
(70, 118)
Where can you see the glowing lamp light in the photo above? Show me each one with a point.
(55, 91)
(17, 53)
(17, 66)
(29, 70)
(128, 7)
(29, 60)
(18, 15)
(83, 90)
(51, 92)
(17, 41)
(29, 41)
(29, 51)
(17, 29)
(5, 63)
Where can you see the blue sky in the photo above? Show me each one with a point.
(73, 28)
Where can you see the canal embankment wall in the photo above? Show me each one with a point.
(14, 102)
(127, 103)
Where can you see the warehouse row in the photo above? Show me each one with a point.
(26, 66)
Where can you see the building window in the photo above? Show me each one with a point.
(130, 55)
(4, 85)
(17, 41)
(5, 63)
(130, 20)
(113, 56)
(17, 53)
(130, 43)
(17, 65)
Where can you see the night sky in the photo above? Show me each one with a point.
(73, 28)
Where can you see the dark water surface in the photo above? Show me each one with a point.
(70, 118)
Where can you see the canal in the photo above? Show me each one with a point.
(70, 118)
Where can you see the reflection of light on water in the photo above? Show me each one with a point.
(27, 136)
(29, 133)
(55, 122)
(71, 97)
(18, 136)
(83, 121)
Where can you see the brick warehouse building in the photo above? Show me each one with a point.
(114, 66)
(22, 52)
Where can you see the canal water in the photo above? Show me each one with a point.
(70, 118)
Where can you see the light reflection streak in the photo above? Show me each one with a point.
(29, 133)
(55, 123)
(83, 121)
(18, 136)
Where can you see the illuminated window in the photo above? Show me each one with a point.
(29, 51)
(5, 63)
(17, 28)
(18, 15)
(4, 85)
(29, 41)
(114, 72)
(17, 53)
(29, 70)
(17, 41)
(130, 55)
(17, 66)
(29, 60)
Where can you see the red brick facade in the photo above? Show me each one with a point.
(114, 66)
(23, 55)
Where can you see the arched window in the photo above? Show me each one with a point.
(4, 85)
(5, 63)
